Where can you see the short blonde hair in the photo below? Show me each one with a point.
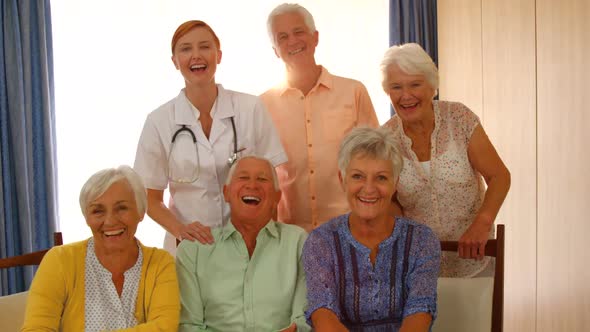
(378, 143)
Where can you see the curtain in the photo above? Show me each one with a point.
(414, 21)
(28, 188)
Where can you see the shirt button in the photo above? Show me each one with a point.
(309, 145)
(308, 121)
(313, 198)
(301, 97)
(311, 171)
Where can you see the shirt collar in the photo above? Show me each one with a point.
(407, 141)
(227, 231)
(270, 227)
(326, 79)
(224, 106)
(437, 119)
(91, 253)
(344, 230)
(184, 111)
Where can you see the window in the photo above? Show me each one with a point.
(113, 67)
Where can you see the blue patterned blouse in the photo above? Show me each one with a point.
(341, 277)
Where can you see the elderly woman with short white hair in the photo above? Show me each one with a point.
(366, 270)
(447, 156)
(109, 281)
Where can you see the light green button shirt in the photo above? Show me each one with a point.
(223, 289)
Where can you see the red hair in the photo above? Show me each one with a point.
(187, 26)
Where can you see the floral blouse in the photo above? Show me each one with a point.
(447, 199)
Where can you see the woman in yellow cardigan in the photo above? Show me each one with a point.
(110, 281)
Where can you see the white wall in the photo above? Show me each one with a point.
(112, 67)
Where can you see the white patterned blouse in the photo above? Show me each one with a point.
(104, 309)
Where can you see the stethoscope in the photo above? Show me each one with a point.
(184, 128)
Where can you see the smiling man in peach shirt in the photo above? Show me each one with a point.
(312, 111)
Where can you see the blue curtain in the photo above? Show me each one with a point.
(414, 21)
(28, 193)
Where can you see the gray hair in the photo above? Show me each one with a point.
(286, 8)
(102, 180)
(275, 178)
(412, 59)
(378, 143)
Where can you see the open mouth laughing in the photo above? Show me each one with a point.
(293, 52)
(114, 233)
(409, 106)
(251, 200)
(368, 200)
(198, 68)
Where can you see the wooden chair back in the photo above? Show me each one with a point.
(33, 258)
(494, 248)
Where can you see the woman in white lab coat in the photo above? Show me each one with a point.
(190, 142)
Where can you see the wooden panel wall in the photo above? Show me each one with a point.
(509, 118)
(563, 55)
(459, 50)
(500, 36)
(535, 60)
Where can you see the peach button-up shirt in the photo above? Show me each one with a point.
(311, 128)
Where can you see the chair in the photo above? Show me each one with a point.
(464, 303)
(12, 307)
(12, 311)
(33, 258)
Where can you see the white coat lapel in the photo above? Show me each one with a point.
(222, 118)
(184, 114)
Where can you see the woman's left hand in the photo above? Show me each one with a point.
(485, 159)
(473, 242)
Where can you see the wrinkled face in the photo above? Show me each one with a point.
(294, 42)
(113, 218)
(411, 95)
(369, 185)
(251, 194)
(196, 56)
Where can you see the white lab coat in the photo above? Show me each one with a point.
(203, 200)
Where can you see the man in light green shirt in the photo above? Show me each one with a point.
(251, 278)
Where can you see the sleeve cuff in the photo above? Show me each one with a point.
(311, 310)
(429, 309)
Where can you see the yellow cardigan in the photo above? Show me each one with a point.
(56, 296)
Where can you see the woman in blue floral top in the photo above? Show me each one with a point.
(366, 270)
